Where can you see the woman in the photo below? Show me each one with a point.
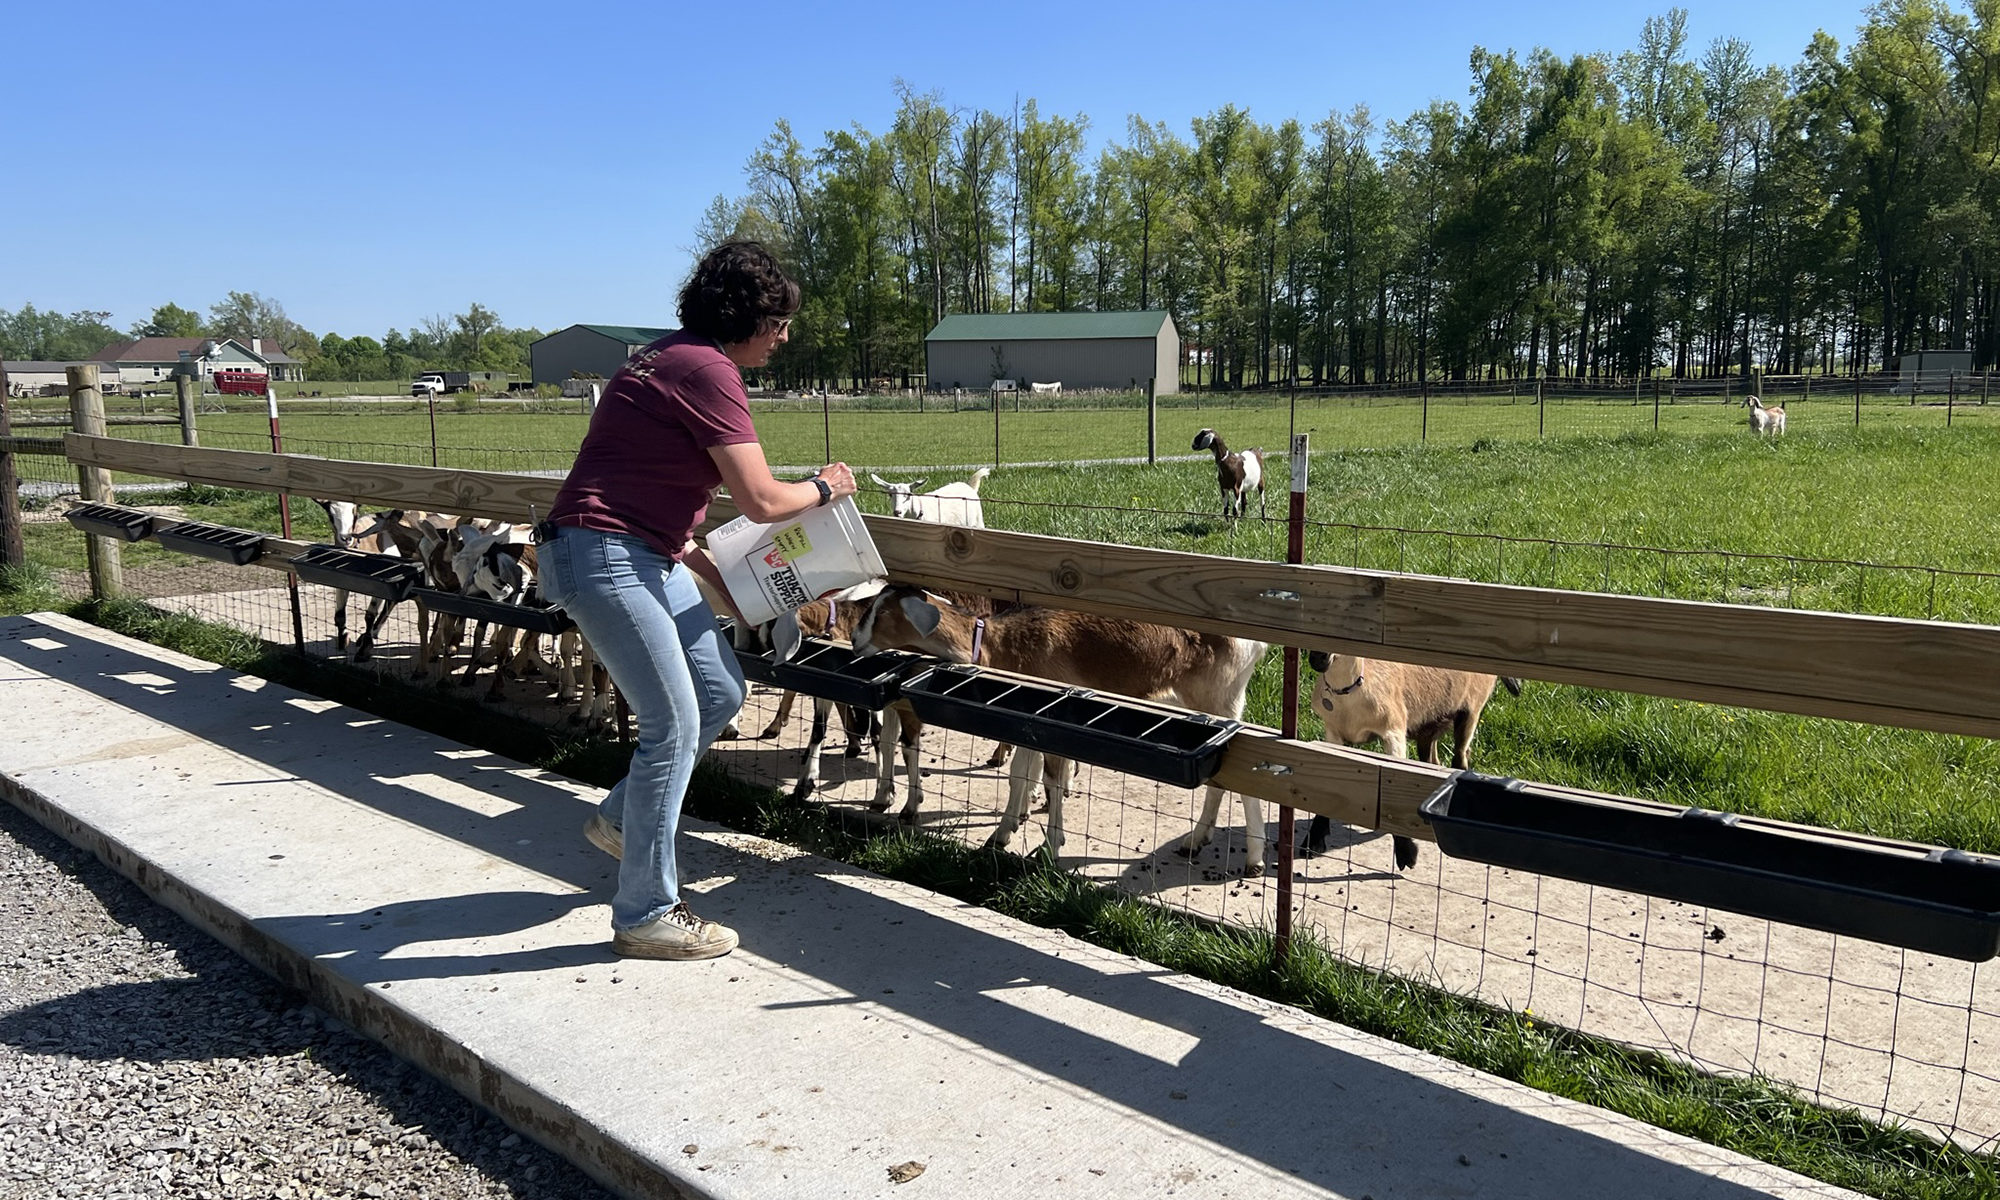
(673, 423)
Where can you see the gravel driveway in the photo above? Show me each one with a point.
(140, 1058)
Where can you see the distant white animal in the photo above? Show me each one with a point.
(1765, 420)
(952, 504)
(1054, 389)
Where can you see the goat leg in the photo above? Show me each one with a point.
(1020, 783)
(809, 769)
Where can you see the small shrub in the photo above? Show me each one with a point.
(465, 402)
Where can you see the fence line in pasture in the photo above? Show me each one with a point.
(1890, 1032)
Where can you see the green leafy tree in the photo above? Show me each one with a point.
(170, 320)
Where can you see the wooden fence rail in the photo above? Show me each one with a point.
(1918, 674)
(1931, 675)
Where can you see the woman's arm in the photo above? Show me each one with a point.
(762, 496)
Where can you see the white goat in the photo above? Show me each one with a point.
(952, 504)
(1236, 473)
(1047, 389)
(1362, 698)
(1202, 671)
(1765, 420)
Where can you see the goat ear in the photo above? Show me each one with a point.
(860, 591)
(879, 481)
(924, 616)
(1319, 659)
(786, 637)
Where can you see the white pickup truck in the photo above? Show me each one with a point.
(427, 385)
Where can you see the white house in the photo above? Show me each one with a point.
(156, 359)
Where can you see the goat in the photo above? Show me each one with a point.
(1202, 671)
(1397, 701)
(1765, 420)
(952, 504)
(1236, 473)
(497, 562)
(1047, 389)
(388, 532)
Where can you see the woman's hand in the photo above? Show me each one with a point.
(840, 477)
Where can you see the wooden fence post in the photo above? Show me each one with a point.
(1656, 404)
(184, 392)
(86, 415)
(13, 550)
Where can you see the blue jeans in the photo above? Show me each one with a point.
(652, 630)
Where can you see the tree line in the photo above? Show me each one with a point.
(1656, 211)
(474, 340)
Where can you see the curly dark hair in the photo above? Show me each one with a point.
(733, 289)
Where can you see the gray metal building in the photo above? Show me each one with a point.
(1078, 350)
(589, 350)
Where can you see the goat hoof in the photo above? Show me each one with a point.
(908, 817)
(803, 789)
(1252, 870)
(1406, 853)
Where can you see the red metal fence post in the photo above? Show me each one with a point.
(1295, 546)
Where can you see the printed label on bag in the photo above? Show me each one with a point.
(779, 580)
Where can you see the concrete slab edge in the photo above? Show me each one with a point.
(513, 1100)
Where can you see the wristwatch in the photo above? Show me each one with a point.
(825, 489)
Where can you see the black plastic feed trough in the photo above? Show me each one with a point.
(219, 542)
(111, 520)
(1945, 903)
(382, 576)
(835, 672)
(1182, 749)
(531, 615)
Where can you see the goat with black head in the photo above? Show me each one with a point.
(1237, 473)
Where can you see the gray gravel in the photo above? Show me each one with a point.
(140, 1058)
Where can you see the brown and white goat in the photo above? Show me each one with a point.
(1237, 473)
(1362, 698)
(1201, 671)
(1765, 420)
(393, 533)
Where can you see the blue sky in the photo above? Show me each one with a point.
(368, 165)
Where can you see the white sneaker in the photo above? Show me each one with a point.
(677, 934)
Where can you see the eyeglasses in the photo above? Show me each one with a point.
(780, 324)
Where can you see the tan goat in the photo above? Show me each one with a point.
(1201, 671)
(1362, 698)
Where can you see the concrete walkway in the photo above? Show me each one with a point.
(869, 1039)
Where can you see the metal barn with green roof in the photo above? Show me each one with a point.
(587, 351)
(1078, 350)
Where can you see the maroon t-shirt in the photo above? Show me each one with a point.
(644, 468)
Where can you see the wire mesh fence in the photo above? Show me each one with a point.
(1895, 1034)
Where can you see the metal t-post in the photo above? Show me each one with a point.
(1295, 546)
(285, 524)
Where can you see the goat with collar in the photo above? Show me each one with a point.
(1359, 699)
